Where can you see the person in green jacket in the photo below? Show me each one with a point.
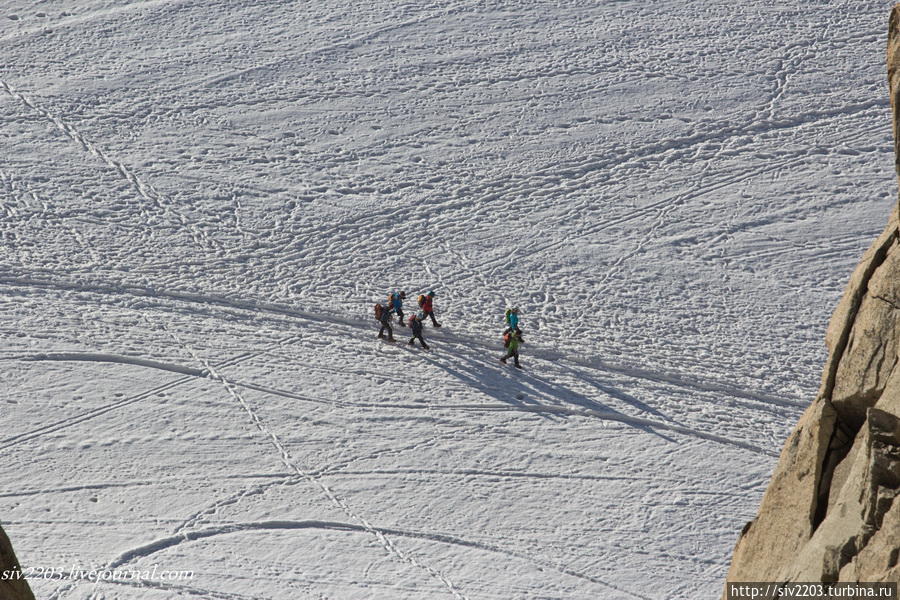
(512, 339)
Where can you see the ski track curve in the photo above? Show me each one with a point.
(389, 546)
(256, 306)
(209, 373)
(162, 544)
(102, 410)
(551, 85)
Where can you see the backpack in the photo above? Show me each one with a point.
(411, 320)
(421, 300)
(506, 337)
(378, 310)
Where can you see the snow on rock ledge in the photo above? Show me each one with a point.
(829, 513)
(10, 587)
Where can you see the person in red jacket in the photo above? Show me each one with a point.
(426, 302)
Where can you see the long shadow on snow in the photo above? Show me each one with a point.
(605, 387)
(490, 382)
(496, 381)
(614, 392)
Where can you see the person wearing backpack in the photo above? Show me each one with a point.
(384, 317)
(426, 302)
(395, 301)
(415, 324)
(512, 339)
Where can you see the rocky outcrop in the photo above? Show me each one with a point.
(829, 513)
(11, 587)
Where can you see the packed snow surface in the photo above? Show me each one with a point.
(200, 202)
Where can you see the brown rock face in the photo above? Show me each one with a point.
(11, 588)
(829, 512)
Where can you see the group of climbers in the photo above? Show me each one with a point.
(394, 305)
(512, 334)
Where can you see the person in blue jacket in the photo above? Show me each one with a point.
(512, 320)
(395, 300)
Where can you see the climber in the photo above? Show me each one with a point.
(384, 317)
(395, 301)
(511, 341)
(512, 320)
(426, 303)
(415, 323)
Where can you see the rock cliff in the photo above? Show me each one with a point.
(10, 587)
(829, 513)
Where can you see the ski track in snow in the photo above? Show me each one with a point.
(254, 305)
(194, 228)
(389, 546)
(165, 543)
(145, 190)
(207, 372)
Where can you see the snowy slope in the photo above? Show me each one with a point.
(201, 201)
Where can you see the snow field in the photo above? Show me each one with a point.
(200, 202)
